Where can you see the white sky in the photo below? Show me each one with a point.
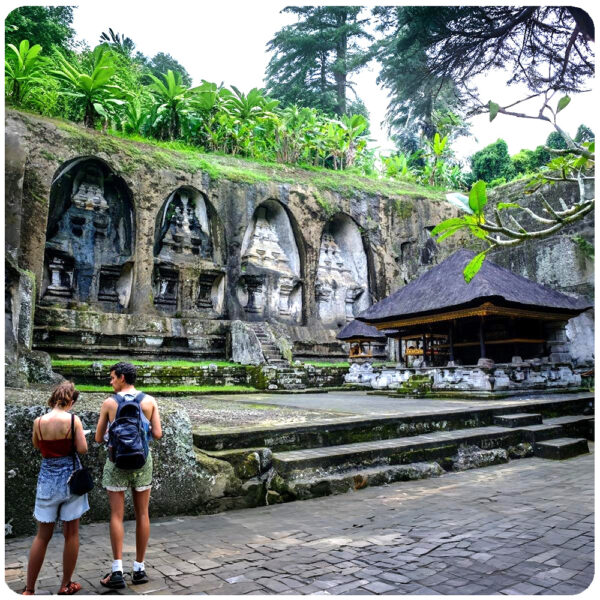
(226, 42)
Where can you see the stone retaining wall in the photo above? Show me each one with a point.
(183, 482)
(262, 377)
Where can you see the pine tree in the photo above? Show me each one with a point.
(314, 58)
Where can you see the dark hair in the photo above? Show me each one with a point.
(63, 395)
(127, 369)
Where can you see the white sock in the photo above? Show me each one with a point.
(117, 565)
(138, 566)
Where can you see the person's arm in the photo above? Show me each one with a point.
(80, 441)
(102, 422)
(34, 437)
(155, 421)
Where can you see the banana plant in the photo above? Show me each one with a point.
(98, 95)
(25, 71)
(173, 100)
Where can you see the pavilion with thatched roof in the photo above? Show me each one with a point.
(362, 338)
(498, 315)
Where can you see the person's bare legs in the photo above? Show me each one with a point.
(117, 532)
(38, 552)
(141, 500)
(71, 549)
(116, 500)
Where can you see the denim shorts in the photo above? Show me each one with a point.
(119, 480)
(53, 500)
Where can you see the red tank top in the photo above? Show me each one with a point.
(55, 448)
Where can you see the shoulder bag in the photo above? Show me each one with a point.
(81, 481)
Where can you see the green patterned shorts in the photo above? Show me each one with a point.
(118, 480)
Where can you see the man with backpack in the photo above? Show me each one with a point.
(128, 420)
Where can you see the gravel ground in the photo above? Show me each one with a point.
(206, 414)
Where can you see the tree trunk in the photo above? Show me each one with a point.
(340, 67)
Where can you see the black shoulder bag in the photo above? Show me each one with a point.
(81, 481)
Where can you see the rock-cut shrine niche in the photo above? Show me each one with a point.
(342, 284)
(271, 285)
(89, 238)
(188, 273)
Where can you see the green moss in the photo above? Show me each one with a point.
(77, 362)
(338, 365)
(164, 389)
(257, 377)
(403, 208)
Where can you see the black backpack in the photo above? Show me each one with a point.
(128, 434)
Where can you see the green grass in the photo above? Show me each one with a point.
(138, 152)
(165, 389)
(316, 363)
(77, 362)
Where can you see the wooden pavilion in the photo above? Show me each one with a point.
(498, 315)
(362, 338)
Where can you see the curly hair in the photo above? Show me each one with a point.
(127, 369)
(63, 394)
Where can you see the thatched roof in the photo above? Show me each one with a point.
(359, 330)
(443, 288)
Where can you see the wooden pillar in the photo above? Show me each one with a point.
(451, 341)
(481, 339)
(424, 349)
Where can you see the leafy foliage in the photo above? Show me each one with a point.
(23, 70)
(492, 162)
(93, 89)
(48, 26)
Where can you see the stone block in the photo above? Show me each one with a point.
(561, 448)
(518, 420)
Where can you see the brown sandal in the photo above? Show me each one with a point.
(27, 592)
(71, 588)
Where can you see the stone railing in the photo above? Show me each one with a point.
(488, 377)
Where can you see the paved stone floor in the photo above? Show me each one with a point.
(526, 527)
(361, 403)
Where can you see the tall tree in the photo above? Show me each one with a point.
(314, 58)
(415, 95)
(44, 25)
(162, 63)
(544, 47)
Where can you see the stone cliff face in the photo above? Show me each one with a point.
(112, 227)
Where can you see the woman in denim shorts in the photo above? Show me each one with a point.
(53, 501)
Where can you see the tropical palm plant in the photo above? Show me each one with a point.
(173, 97)
(99, 96)
(25, 71)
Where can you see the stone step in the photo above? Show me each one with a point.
(539, 433)
(350, 429)
(518, 419)
(574, 425)
(405, 450)
(327, 484)
(561, 448)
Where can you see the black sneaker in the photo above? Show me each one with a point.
(113, 580)
(139, 577)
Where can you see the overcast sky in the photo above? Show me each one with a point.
(226, 42)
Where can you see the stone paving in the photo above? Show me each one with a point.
(362, 403)
(526, 527)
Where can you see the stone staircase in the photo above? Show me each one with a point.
(268, 346)
(349, 454)
(315, 472)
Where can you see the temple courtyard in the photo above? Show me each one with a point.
(522, 527)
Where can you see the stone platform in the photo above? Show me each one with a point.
(336, 456)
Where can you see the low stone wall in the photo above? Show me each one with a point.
(513, 377)
(262, 377)
(183, 481)
(164, 375)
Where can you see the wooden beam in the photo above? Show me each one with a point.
(486, 309)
